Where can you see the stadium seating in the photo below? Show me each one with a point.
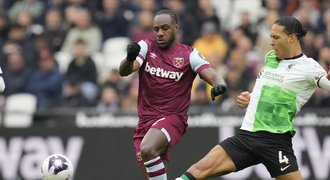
(114, 50)
(63, 60)
(19, 110)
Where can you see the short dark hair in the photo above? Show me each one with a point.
(80, 41)
(170, 13)
(292, 26)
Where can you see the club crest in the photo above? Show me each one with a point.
(178, 62)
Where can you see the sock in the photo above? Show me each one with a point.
(156, 169)
(186, 176)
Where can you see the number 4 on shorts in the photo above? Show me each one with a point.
(282, 159)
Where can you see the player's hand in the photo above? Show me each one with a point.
(218, 90)
(243, 100)
(133, 50)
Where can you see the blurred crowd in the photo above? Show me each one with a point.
(66, 52)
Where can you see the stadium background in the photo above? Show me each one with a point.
(59, 59)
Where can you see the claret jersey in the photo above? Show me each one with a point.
(165, 79)
(281, 89)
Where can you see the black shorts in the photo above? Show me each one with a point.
(272, 150)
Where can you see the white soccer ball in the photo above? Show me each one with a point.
(57, 167)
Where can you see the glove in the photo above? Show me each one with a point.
(218, 90)
(133, 50)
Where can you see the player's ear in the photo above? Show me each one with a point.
(177, 27)
(292, 37)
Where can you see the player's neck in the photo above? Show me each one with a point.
(170, 47)
(296, 52)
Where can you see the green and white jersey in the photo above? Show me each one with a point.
(281, 89)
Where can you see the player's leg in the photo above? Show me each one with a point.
(143, 169)
(163, 134)
(290, 176)
(139, 134)
(276, 153)
(217, 162)
(152, 146)
(231, 155)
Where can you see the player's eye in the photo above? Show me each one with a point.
(274, 37)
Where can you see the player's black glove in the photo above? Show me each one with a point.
(218, 90)
(133, 50)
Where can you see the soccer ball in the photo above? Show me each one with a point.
(57, 167)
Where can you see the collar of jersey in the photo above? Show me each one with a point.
(294, 57)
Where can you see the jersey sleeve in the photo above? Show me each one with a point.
(197, 61)
(315, 73)
(143, 52)
(2, 82)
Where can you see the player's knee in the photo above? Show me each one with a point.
(147, 151)
(195, 169)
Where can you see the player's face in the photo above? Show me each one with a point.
(280, 41)
(164, 31)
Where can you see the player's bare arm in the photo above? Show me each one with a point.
(243, 100)
(129, 65)
(211, 77)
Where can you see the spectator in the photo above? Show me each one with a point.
(109, 101)
(84, 30)
(324, 21)
(214, 48)
(234, 37)
(80, 3)
(15, 73)
(324, 57)
(249, 28)
(274, 5)
(45, 82)
(111, 20)
(120, 84)
(239, 74)
(19, 36)
(198, 93)
(82, 68)
(210, 42)
(146, 5)
(264, 26)
(70, 14)
(189, 26)
(9, 47)
(34, 7)
(55, 4)
(129, 102)
(25, 19)
(143, 29)
(4, 28)
(206, 12)
(308, 12)
(308, 45)
(252, 57)
(55, 29)
(72, 95)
